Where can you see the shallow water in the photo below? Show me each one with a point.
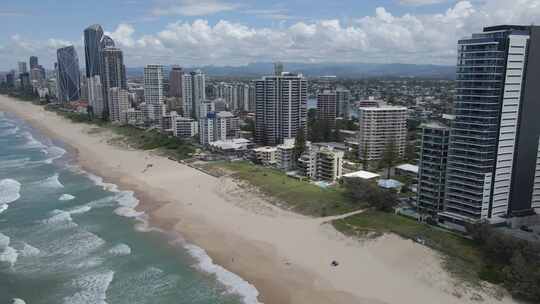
(68, 237)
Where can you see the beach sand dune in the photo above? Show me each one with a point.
(286, 256)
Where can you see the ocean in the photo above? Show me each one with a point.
(68, 237)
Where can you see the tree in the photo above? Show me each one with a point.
(363, 191)
(299, 143)
(389, 158)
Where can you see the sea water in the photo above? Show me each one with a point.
(68, 237)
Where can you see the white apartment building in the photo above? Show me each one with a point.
(95, 96)
(285, 155)
(321, 163)
(185, 127)
(380, 125)
(153, 94)
(218, 126)
(118, 105)
(135, 117)
(266, 155)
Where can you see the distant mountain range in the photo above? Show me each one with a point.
(342, 70)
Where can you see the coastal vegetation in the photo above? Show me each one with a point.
(136, 138)
(293, 194)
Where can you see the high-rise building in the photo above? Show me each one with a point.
(37, 76)
(187, 96)
(24, 79)
(22, 67)
(92, 50)
(199, 90)
(433, 152)
(96, 100)
(33, 62)
(326, 107)
(114, 70)
(118, 105)
(343, 100)
(380, 126)
(175, 81)
(68, 78)
(153, 93)
(493, 158)
(281, 107)
(218, 126)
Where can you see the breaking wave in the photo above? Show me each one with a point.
(9, 190)
(66, 197)
(233, 282)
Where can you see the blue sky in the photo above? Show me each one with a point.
(235, 32)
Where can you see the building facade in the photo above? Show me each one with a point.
(492, 169)
(380, 126)
(432, 157)
(68, 75)
(327, 106)
(153, 94)
(118, 105)
(281, 108)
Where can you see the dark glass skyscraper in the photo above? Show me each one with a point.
(114, 75)
(33, 62)
(493, 156)
(92, 50)
(68, 74)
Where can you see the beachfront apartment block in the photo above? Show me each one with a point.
(266, 155)
(492, 171)
(218, 126)
(322, 163)
(433, 139)
(118, 105)
(185, 127)
(135, 117)
(285, 155)
(379, 126)
(281, 107)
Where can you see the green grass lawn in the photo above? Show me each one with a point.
(299, 196)
(462, 256)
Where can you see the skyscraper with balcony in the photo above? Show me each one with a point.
(280, 107)
(432, 157)
(153, 93)
(114, 70)
(68, 74)
(492, 169)
(327, 106)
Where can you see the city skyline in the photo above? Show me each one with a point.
(238, 32)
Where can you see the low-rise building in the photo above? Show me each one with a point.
(322, 163)
(185, 127)
(135, 117)
(285, 155)
(266, 155)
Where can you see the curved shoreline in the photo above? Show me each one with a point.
(286, 256)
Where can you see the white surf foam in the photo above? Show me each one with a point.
(7, 254)
(66, 197)
(92, 288)
(4, 241)
(60, 218)
(3, 208)
(120, 250)
(9, 190)
(14, 163)
(31, 142)
(54, 153)
(9, 131)
(18, 301)
(29, 251)
(80, 210)
(126, 199)
(233, 282)
(52, 182)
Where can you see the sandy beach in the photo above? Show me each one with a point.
(285, 255)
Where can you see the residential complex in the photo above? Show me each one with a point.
(492, 159)
(281, 108)
(327, 107)
(380, 126)
(433, 152)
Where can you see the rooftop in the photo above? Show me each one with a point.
(362, 174)
(408, 168)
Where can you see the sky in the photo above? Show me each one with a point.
(237, 32)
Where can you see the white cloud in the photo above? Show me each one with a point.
(421, 2)
(380, 37)
(193, 8)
